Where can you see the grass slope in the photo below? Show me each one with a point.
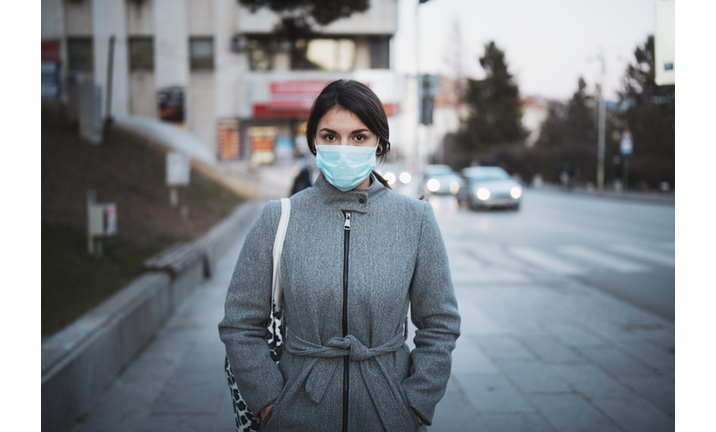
(125, 171)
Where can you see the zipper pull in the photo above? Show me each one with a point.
(347, 225)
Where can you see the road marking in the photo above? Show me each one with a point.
(602, 259)
(546, 261)
(646, 254)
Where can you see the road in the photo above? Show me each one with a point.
(623, 248)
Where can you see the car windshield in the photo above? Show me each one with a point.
(489, 176)
(441, 175)
(437, 170)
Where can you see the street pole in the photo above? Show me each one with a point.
(602, 124)
(110, 70)
(418, 82)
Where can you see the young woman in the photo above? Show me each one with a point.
(356, 256)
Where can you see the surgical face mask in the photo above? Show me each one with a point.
(345, 166)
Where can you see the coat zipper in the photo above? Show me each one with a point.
(346, 359)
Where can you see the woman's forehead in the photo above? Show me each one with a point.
(339, 118)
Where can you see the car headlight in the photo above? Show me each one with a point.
(433, 185)
(454, 187)
(390, 178)
(516, 192)
(405, 177)
(482, 194)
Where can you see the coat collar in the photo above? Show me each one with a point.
(353, 200)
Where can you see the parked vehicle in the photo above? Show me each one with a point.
(440, 180)
(399, 177)
(489, 187)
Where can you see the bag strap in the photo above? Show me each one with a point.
(277, 288)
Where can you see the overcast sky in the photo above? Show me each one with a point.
(547, 43)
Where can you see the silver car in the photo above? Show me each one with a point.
(489, 187)
(440, 180)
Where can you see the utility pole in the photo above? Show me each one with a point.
(602, 124)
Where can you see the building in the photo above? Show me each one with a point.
(214, 67)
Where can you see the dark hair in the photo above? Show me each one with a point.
(357, 98)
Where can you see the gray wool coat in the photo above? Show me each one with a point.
(396, 260)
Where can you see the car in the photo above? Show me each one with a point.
(398, 177)
(440, 180)
(489, 187)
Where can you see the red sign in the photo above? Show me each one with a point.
(50, 51)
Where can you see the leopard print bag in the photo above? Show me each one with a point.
(247, 421)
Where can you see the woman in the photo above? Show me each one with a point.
(356, 256)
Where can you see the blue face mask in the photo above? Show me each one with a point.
(345, 166)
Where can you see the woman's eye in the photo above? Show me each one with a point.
(329, 137)
(360, 137)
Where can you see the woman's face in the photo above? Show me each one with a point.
(341, 127)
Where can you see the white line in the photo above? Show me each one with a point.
(646, 254)
(546, 261)
(603, 260)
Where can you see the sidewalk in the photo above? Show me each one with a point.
(538, 352)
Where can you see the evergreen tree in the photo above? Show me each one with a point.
(650, 118)
(495, 116)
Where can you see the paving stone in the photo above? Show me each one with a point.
(455, 413)
(503, 347)
(468, 358)
(592, 381)
(570, 413)
(516, 422)
(177, 423)
(202, 373)
(636, 415)
(573, 334)
(476, 322)
(551, 350)
(533, 376)
(492, 393)
(659, 390)
(651, 354)
(616, 361)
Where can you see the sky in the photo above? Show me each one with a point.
(548, 44)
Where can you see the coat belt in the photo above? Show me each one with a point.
(326, 358)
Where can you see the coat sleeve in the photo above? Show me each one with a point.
(246, 311)
(435, 314)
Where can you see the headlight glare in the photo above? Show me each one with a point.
(390, 178)
(516, 192)
(405, 177)
(483, 194)
(454, 187)
(433, 185)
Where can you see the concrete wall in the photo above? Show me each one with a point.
(202, 120)
(109, 19)
(140, 18)
(142, 91)
(78, 18)
(171, 43)
(53, 19)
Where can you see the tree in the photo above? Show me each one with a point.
(495, 109)
(568, 137)
(298, 16)
(650, 118)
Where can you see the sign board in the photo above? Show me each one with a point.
(294, 95)
(626, 145)
(229, 139)
(178, 169)
(170, 105)
(262, 144)
(664, 45)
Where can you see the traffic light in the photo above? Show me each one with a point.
(428, 89)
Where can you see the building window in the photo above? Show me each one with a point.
(141, 54)
(380, 53)
(201, 53)
(79, 52)
(259, 54)
(335, 55)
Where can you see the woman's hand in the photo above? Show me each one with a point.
(266, 413)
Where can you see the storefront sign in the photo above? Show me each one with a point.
(229, 139)
(262, 144)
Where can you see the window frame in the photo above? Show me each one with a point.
(201, 63)
(133, 65)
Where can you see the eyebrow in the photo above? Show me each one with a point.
(336, 133)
